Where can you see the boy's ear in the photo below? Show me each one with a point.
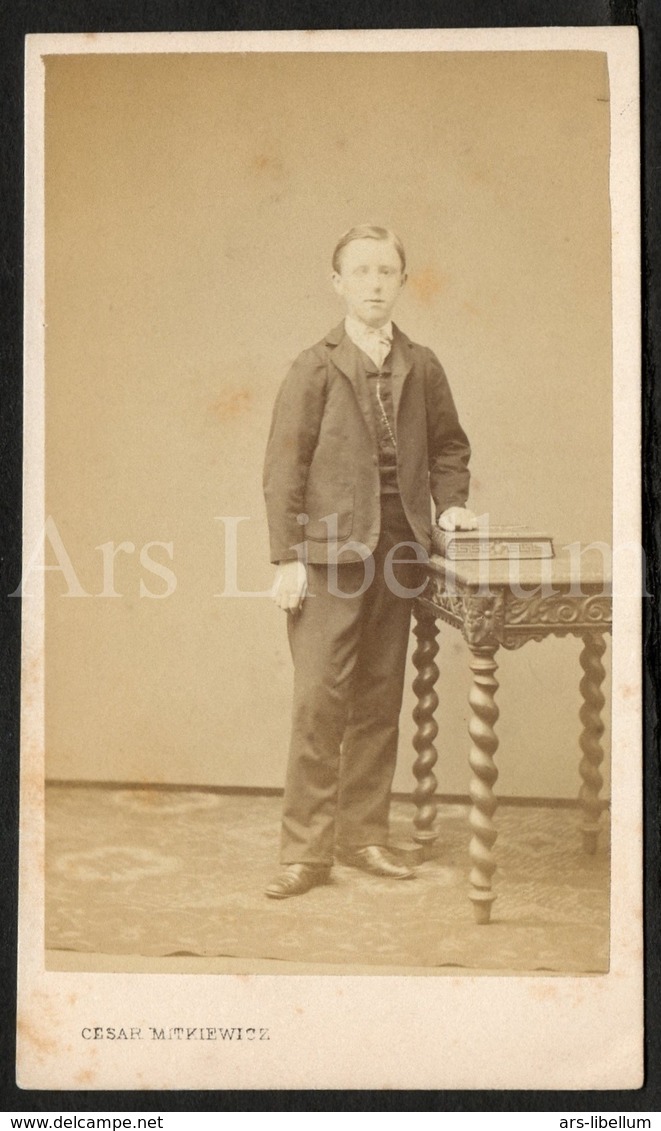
(337, 283)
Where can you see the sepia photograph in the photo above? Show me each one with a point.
(332, 556)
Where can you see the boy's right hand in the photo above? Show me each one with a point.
(290, 586)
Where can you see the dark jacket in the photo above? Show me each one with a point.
(322, 461)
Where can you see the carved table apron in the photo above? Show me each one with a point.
(505, 604)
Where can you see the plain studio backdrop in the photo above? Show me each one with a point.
(192, 205)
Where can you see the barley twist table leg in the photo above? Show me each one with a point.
(594, 647)
(426, 631)
(484, 743)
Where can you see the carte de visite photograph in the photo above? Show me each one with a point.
(324, 543)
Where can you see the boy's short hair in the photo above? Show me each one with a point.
(368, 232)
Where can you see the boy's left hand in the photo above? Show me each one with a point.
(458, 518)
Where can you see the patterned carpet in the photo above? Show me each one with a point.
(182, 872)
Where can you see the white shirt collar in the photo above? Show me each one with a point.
(359, 332)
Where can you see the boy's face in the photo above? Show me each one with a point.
(369, 280)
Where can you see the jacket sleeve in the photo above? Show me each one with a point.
(297, 417)
(448, 447)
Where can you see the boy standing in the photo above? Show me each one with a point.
(364, 430)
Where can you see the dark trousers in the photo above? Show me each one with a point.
(349, 657)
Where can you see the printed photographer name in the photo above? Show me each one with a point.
(177, 1033)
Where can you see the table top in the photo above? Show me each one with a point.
(586, 568)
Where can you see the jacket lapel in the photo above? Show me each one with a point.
(344, 355)
(401, 361)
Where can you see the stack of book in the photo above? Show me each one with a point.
(495, 543)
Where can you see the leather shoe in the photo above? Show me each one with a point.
(375, 860)
(296, 879)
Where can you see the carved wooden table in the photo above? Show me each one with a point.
(506, 604)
